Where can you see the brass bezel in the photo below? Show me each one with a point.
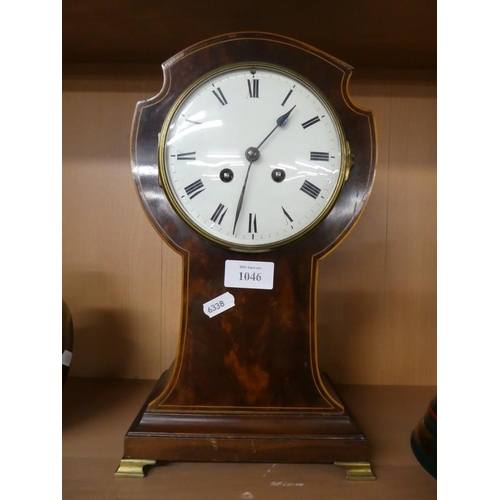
(179, 209)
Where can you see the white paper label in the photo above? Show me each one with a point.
(219, 304)
(249, 274)
(67, 355)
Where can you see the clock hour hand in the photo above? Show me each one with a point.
(279, 123)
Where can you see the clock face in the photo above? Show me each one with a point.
(252, 157)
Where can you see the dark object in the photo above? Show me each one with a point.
(67, 341)
(226, 175)
(278, 175)
(424, 440)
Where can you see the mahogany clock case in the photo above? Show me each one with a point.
(329, 75)
(246, 384)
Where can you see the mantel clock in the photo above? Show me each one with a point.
(253, 164)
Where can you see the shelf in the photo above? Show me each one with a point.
(97, 413)
(363, 33)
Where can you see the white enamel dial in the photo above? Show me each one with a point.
(252, 157)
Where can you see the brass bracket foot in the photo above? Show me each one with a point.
(357, 471)
(132, 467)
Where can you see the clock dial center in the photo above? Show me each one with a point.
(252, 154)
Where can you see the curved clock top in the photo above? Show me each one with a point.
(249, 145)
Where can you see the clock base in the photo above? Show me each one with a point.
(355, 471)
(133, 467)
(256, 436)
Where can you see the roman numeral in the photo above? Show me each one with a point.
(187, 156)
(287, 96)
(319, 156)
(310, 189)
(253, 88)
(219, 214)
(194, 189)
(252, 223)
(287, 215)
(220, 96)
(310, 122)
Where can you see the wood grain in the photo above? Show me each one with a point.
(362, 32)
(111, 258)
(379, 286)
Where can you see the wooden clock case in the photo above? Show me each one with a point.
(246, 385)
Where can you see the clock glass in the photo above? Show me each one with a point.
(252, 156)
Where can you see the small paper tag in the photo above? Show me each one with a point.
(219, 304)
(67, 355)
(249, 274)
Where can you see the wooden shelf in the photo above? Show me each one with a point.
(97, 413)
(382, 34)
(384, 278)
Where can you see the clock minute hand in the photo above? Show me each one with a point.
(240, 201)
(253, 154)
